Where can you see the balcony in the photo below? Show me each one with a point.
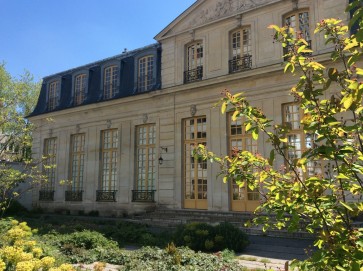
(145, 83)
(241, 63)
(106, 195)
(193, 75)
(73, 195)
(143, 195)
(46, 195)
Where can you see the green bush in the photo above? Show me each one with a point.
(205, 237)
(86, 246)
(172, 258)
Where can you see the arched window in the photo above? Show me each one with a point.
(299, 22)
(241, 55)
(194, 62)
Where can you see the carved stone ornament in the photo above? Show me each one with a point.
(78, 128)
(145, 118)
(193, 110)
(224, 8)
(109, 124)
(295, 4)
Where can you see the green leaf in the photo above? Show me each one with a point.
(346, 206)
(272, 157)
(255, 134)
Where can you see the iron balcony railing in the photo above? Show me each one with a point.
(145, 82)
(241, 63)
(106, 195)
(75, 195)
(46, 195)
(143, 195)
(193, 75)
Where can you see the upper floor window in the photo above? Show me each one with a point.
(299, 22)
(80, 89)
(241, 56)
(110, 82)
(145, 73)
(194, 62)
(53, 95)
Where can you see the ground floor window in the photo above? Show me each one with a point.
(145, 162)
(242, 197)
(195, 170)
(77, 154)
(49, 152)
(108, 165)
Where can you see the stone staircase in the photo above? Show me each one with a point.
(169, 218)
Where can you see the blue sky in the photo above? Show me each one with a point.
(50, 36)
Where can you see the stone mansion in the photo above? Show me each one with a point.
(122, 129)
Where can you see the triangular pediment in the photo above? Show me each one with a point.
(206, 11)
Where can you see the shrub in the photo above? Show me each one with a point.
(20, 251)
(205, 237)
(87, 246)
(173, 258)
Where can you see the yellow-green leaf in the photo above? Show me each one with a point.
(346, 206)
(235, 115)
(224, 107)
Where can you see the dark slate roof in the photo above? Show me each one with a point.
(127, 87)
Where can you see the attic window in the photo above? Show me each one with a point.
(53, 95)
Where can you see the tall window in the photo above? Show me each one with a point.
(146, 73)
(145, 157)
(47, 187)
(53, 95)
(299, 21)
(80, 89)
(194, 64)
(109, 147)
(77, 153)
(241, 140)
(240, 50)
(195, 170)
(297, 139)
(110, 82)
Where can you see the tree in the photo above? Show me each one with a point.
(328, 201)
(17, 99)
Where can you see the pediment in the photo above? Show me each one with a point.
(206, 11)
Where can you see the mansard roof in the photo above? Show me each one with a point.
(127, 80)
(121, 56)
(204, 12)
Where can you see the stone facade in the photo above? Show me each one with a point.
(199, 58)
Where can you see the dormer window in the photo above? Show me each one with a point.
(110, 82)
(145, 73)
(53, 95)
(80, 86)
(194, 62)
(241, 56)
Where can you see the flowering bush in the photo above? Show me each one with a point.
(20, 252)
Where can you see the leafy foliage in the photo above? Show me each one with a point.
(331, 99)
(20, 251)
(17, 99)
(205, 237)
(180, 259)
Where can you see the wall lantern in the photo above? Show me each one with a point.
(161, 160)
